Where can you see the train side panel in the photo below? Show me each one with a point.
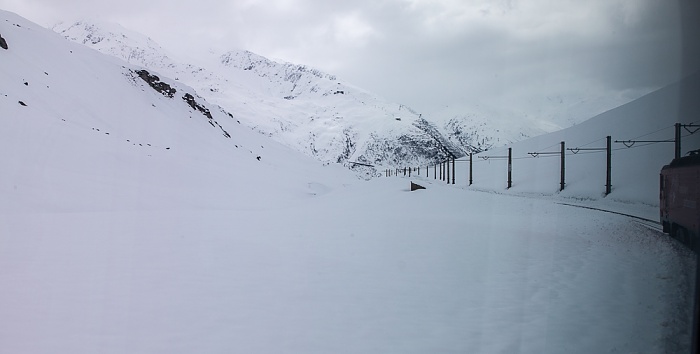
(680, 199)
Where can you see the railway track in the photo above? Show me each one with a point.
(652, 224)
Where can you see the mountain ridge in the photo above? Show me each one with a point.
(307, 109)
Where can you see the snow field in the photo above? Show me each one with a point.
(110, 245)
(367, 268)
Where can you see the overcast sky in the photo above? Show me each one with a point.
(427, 53)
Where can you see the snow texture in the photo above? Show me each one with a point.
(130, 223)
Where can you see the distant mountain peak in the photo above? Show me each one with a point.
(113, 39)
(249, 61)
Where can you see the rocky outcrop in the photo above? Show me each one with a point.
(196, 106)
(205, 111)
(472, 139)
(154, 81)
(3, 43)
(450, 149)
(406, 149)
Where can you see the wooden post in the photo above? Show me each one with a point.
(435, 171)
(404, 171)
(470, 168)
(409, 171)
(427, 171)
(678, 141)
(563, 174)
(447, 166)
(453, 170)
(608, 176)
(510, 167)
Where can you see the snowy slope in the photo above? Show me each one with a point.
(307, 109)
(325, 117)
(92, 111)
(634, 170)
(157, 233)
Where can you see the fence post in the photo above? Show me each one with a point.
(447, 165)
(678, 141)
(510, 167)
(409, 171)
(470, 168)
(435, 171)
(454, 171)
(563, 174)
(404, 171)
(608, 178)
(427, 171)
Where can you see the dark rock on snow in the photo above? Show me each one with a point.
(156, 84)
(191, 101)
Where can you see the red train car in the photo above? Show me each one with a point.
(680, 199)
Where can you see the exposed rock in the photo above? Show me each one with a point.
(22, 103)
(451, 149)
(191, 101)
(3, 43)
(205, 111)
(156, 84)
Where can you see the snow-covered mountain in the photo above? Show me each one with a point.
(311, 111)
(96, 111)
